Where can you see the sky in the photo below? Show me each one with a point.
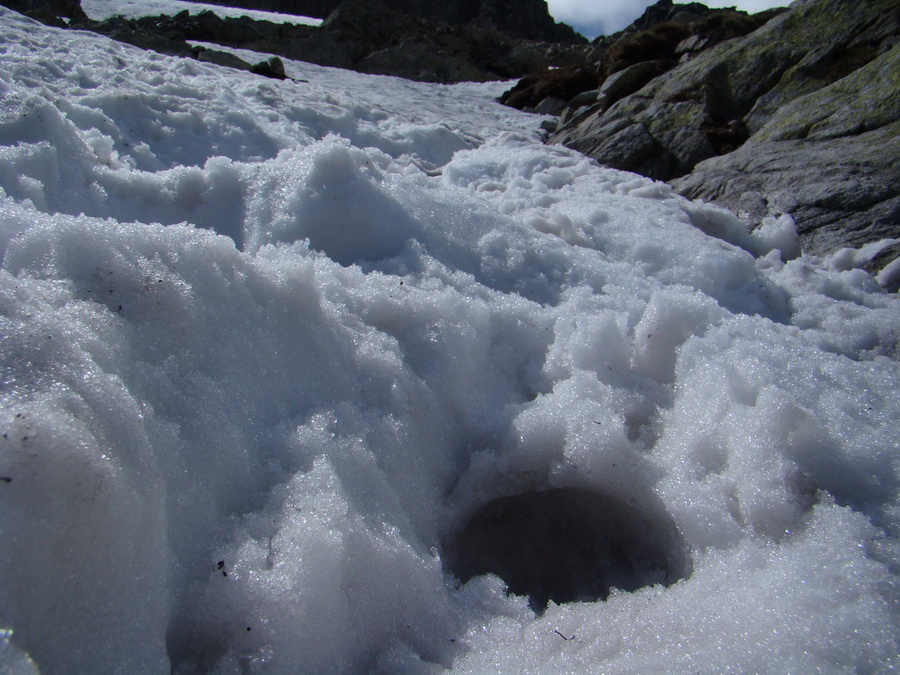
(601, 17)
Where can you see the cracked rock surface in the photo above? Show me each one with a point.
(800, 116)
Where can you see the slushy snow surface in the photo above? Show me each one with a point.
(286, 368)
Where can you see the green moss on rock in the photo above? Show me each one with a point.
(866, 99)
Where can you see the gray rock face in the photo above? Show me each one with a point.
(629, 80)
(800, 116)
(843, 192)
(828, 158)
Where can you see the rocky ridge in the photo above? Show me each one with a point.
(801, 115)
(526, 19)
(364, 35)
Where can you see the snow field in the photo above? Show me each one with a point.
(134, 9)
(268, 350)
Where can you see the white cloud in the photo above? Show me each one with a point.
(596, 18)
(593, 17)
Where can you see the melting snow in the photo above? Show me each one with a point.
(283, 364)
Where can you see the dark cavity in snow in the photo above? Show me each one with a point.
(568, 545)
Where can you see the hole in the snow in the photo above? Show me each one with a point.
(568, 544)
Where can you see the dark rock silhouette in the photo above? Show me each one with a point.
(59, 13)
(526, 19)
(560, 83)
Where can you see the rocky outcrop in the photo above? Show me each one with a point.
(362, 35)
(799, 116)
(525, 19)
(627, 60)
(666, 11)
(829, 158)
(666, 31)
(558, 84)
(59, 13)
